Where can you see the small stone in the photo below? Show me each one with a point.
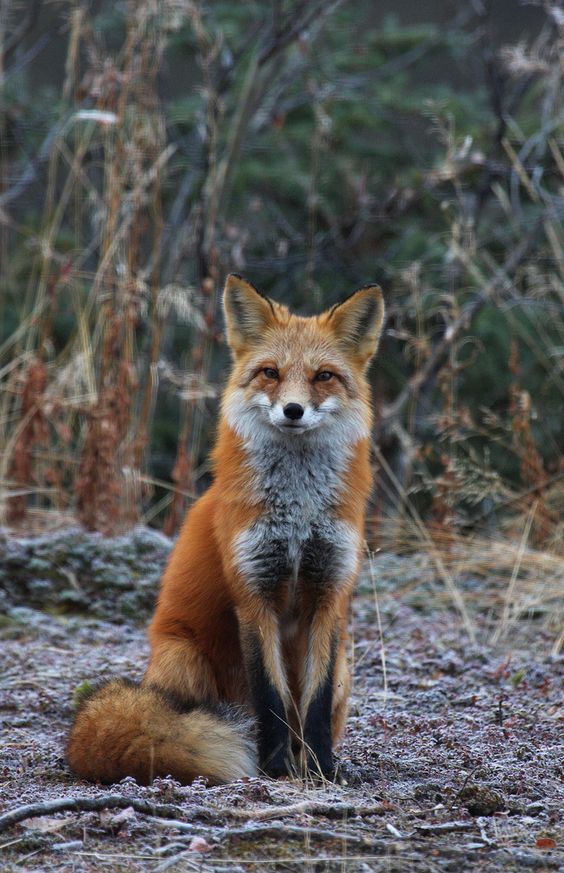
(481, 800)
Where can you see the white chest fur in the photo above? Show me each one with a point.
(299, 480)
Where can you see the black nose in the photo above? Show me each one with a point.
(293, 411)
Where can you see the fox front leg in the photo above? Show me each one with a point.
(317, 697)
(329, 567)
(260, 642)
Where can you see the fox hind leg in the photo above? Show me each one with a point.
(177, 666)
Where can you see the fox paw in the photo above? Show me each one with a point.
(277, 768)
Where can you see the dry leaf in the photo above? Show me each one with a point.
(45, 824)
(198, 844)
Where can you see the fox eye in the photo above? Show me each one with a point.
(324, 376)
(270, 373)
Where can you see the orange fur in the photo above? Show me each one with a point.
(216, 634)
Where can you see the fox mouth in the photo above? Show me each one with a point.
(295, 427)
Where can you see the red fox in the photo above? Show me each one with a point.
(251, 617)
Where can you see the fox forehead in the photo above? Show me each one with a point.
(299, 344)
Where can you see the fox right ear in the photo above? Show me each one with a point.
(357, 322)
(247, 313)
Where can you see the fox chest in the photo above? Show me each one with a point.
(298, 537)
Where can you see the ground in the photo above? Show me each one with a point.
(451, 758)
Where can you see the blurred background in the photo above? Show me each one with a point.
(148, 148)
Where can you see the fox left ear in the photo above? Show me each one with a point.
(357, 322)
(247, 313)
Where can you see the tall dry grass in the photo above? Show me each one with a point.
(77, 422)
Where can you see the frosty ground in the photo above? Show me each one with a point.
(451, 758)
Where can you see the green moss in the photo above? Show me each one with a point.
(81, 693)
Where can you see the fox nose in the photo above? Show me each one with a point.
(293, 411)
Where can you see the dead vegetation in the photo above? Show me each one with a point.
(130, 202)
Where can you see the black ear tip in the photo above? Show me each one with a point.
(372, 303)
(374, 288)
(243, 286)
(235, 282)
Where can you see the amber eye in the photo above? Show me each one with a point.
(324, 376)
(270, 373)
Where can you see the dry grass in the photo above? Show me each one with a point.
(77, 422)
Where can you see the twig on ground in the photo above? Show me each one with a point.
(447, 827)
(146, 807)
(86, 804)
(303, 807)
(272, 830)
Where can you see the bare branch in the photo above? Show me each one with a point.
(25, 27)
(421, 379)
(164, 811)
(85, 804)
(286, 37)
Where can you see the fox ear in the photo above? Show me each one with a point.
(247, 313)
(357, 322)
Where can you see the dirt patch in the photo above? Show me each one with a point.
(450, 762)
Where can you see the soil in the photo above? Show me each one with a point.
(452, 758)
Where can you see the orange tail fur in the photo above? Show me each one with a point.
(123, 729)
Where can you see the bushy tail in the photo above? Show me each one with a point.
(123, 729)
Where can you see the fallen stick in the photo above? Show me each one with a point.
(448, 827)
(161, 813)
(269, 830)
(303, 807)
(86, 804)
(304, 833)
(146, 807)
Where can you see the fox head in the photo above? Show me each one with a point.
(293, 375)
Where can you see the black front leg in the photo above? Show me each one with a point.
(325, 564)
(264, 562)
(273, 733)
(317, 729)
